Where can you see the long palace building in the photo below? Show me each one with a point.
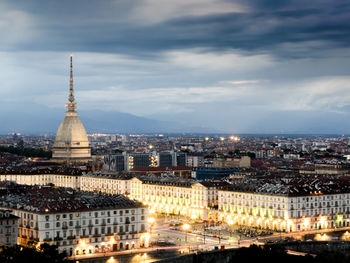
(294, 205)
(78, 222)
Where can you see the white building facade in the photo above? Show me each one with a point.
(79, 223)
(8, 228)
(282, 210)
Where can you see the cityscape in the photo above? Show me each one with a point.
(195, 131)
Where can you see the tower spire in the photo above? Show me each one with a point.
(71, 100)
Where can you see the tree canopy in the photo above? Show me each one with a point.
(31, 253)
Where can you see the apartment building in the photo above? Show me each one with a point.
(308, 205)
(77, 222)
(8, 228)
(297, 204)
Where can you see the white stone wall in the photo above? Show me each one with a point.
(316, 211)
(81, 231)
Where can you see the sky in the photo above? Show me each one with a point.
(240, 66)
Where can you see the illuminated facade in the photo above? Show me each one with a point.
(287, 213)
(78, 222)
(173, 197)
(276, 207)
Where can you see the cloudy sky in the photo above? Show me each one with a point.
(240, 66)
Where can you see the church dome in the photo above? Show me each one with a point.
(71, 131)
(71, 142)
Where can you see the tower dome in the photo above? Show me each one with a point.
(71, 142)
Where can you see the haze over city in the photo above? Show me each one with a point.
(194, 65)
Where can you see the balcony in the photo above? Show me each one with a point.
(96, 235)
(71, 237)
(78, 226)
(58, 238)
(47, 239)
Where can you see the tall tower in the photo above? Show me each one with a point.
(71, 142)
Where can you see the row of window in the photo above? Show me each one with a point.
(7, 222)
(96, 214)
(96, 222)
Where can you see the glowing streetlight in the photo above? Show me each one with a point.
(111, 260)
(234, 138)
(230, 222)
(185, 228)
(151, 221)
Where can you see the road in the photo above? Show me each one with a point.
(178, 241)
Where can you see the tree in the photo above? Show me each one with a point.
(251, 155)
(32, 253)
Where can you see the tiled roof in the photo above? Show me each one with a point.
(294, 187)
(43, 199)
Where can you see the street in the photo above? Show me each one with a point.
(169, 240)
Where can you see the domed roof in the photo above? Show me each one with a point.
(71, 132)
(71, 140)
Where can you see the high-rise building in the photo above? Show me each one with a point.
(71, 142)
(130, 161)
(167, 159)
(181, 159)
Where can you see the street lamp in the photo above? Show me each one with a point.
(151, 221)
(230, 223)
(204, 228)
(186, 227)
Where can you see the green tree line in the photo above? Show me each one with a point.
(27, 152)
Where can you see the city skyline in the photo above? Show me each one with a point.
(220, 66)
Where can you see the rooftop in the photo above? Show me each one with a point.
(305, 186)
(47, 199)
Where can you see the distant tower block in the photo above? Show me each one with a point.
(71, 142)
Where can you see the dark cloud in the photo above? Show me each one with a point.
(163, 59)
(104, 26)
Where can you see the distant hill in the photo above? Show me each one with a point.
(39, 120)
